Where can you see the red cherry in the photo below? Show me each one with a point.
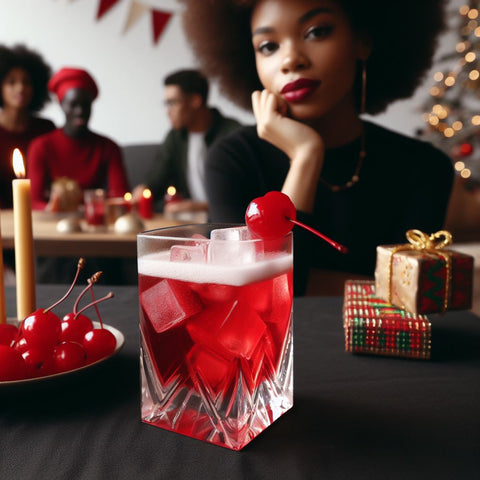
(39, 362)
(68, 356)
(99, 343)
(21, 345)
(273, 216)
(74, 329)
(270, 216)
(42, 329)
(12, 364)
(8, 333)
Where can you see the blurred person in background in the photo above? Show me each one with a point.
(74, 151)
(23, 78)
(181, 159)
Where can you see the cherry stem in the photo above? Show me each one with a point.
(93, 279)
(102, 299)
(341, 248)
(80, 265)
(96, 308)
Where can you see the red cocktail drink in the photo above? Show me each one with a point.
(216, 332)
(95, 207)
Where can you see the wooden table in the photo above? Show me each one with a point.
(50, 243)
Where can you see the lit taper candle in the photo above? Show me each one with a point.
(22, 221)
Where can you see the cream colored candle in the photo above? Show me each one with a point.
(3, 308)
(22, 221)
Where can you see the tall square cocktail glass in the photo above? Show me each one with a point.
(216, 354)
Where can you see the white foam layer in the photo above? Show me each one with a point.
(158, 265)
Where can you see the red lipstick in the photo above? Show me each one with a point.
(299, 89)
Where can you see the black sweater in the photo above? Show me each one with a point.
(404, 183)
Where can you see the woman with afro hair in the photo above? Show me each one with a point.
(309, 69)
(23, 79)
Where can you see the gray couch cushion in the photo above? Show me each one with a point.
(138, 160)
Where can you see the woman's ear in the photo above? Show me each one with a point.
(196, 100)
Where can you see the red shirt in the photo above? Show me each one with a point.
(8, 142)
(93, 161)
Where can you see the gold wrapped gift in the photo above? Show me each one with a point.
(423, 276)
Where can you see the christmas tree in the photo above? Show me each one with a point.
(453, 109)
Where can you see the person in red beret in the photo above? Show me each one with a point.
(74, 151)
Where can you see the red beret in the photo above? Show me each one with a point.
(68, 78)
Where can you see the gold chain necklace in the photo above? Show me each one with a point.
(356, 174)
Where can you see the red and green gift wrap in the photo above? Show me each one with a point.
(423, 276)
(373, 326)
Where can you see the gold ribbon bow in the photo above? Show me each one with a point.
(436, 241)
(434, 244)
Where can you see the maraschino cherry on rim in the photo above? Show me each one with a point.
(270, 216)
(274, 215)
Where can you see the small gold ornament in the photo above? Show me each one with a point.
(70, 224)
(65, 195)
(129, 223)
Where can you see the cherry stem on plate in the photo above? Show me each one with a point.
(341, 248)
(91, 304)
(95, 306)
(93, 279)
(80, 265)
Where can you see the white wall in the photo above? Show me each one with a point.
(129, 68)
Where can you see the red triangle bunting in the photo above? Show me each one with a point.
(104, 6)
(159, 22)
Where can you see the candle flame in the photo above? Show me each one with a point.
(171, 190)
(18, 165)
(127, 197)
(147, 193)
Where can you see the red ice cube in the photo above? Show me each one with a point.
(212, 292)
(168, 303)
(210, 369)
(230, 329)
(271, 298)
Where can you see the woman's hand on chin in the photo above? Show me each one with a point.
(300, 142)
(274, 125)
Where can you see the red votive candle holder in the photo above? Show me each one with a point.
(172, 195)
(145, 204)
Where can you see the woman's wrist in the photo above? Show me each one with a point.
(302, 179)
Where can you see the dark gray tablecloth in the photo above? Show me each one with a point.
(354, 417)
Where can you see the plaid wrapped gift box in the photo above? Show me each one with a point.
(375, 327)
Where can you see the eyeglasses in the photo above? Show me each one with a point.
(172, 102)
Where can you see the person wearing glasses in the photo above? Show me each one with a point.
(195, 127)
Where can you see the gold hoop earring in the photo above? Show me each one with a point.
(363, 100)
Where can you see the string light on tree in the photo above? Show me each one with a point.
(452, 111)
